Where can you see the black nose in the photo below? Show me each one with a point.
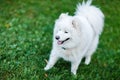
(57, 37)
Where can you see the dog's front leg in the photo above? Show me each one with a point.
(52, 60)
(74, 66)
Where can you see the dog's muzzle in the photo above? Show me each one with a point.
(61, 42)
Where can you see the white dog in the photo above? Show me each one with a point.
(76, 37)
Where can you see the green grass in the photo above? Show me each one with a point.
(26, 28)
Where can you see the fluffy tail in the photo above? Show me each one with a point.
(93, 14)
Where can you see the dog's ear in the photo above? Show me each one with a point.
(63, 15)
(76, 22)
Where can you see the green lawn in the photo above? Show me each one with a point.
(26, 39)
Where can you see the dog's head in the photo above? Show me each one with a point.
(67, 31)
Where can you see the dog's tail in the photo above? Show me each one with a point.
(93, 14)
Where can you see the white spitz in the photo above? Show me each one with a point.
(76, 37)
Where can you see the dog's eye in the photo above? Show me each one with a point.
(59, 29)
(66, 32)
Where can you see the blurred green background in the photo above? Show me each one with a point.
(26, 28)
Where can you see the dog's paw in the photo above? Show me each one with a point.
(73, 72)
(46, 68)
(87, 62)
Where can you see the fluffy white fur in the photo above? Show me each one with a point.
(76, 37)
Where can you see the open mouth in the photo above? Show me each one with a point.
(61, 42)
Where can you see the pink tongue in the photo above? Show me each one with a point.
(59, 42)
